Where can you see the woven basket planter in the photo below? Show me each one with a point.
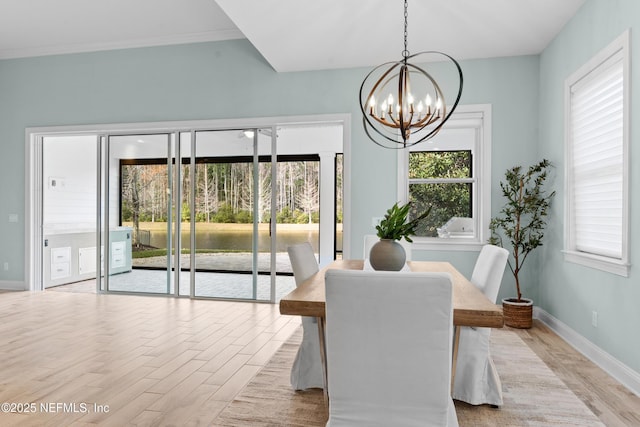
(518, 314)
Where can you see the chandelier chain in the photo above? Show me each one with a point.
(405, 52)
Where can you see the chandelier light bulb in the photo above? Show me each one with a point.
(372, 105)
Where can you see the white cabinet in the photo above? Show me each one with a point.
(60, 262)
(72, 255)
(87, 260)
(120, 254)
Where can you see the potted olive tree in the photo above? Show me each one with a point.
(388, 254)
(521, 225)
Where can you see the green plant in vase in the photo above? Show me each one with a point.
(388, 254)
(521, 225)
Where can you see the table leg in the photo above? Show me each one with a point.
(323, 359)
(456, 342)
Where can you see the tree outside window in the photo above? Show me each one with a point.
(444, 180)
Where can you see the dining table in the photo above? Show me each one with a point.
(470, 306)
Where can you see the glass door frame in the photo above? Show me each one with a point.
(174, 167)
(33, 265)
(103, 220)
(255, 212)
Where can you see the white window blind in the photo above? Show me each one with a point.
(597, 139)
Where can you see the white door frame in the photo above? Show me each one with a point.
(33, 261)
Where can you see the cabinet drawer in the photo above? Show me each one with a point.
(118, 254)
(60, 270)
(117, 248)
(118, 261)
(61, 254)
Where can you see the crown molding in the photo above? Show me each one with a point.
(200, 37)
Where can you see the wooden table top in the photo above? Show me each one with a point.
(470, 306)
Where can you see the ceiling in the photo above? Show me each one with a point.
(292, 35)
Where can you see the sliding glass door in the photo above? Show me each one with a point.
(232, 214)
(189, 214)
(198, 213)
(139, 213)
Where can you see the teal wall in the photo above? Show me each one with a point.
(231, 80)
(568, 291)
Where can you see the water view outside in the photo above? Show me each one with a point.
(225, 196)
(228, 246)
(234, 237)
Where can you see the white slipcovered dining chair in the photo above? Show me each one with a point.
(372, 239)
(307, 366)
(389, 343)
(476, 379)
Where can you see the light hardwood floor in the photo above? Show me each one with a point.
(613, 403)
(150, 360)
(166, 361)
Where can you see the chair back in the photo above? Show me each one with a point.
(303, 261)
(372, 239)
(489, 269)
(389, 343)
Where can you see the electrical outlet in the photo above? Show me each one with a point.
(594, 319)
(6, 266)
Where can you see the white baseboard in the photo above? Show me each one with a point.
(7, 285)
(618, 370)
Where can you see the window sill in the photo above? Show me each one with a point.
(609, 265)
(430, 244)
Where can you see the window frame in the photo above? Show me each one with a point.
(618, 50)
(478, 118)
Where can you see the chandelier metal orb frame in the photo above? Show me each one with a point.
(393, 115)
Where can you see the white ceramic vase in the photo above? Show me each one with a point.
(387, 255)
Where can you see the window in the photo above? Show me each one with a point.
(451, 173)
(596, 98)
(444, 181)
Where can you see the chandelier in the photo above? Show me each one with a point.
(401, 103)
